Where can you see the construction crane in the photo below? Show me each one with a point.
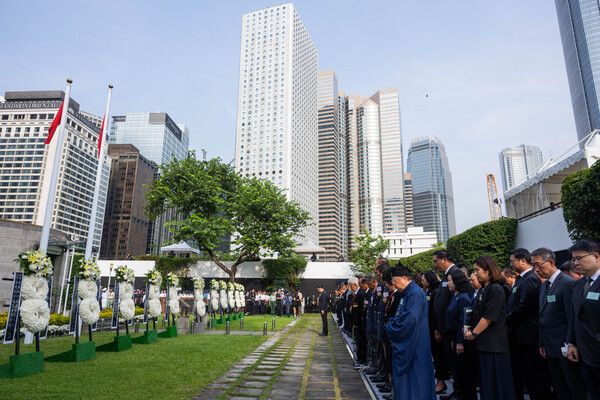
(495, 210)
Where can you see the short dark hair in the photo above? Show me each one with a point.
(522, 254)
(487, 263)
(443, 254)
(401, 271)
(589, 246)
(384, 266)
(416, 277)
(363, 280)
(373, 277)
(460, 280)
(567, 266)
(386, 276)
(508, 271)
(432, 278)
(544, 253)
(319, 286)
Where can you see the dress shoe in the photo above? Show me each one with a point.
(377, 379)
(358, 366)
(388, 396)
(370, 371)
(448, 397)
(382, 385)
(442, 390)
(386, 389)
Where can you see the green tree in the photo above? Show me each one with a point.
(580, 197)
(288, 269)
(215, 201)
(420, 262)
(368, 250)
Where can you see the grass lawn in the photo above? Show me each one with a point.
(256, 323)
(174, 368)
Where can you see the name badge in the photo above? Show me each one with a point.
(514, 290)
(379, 288)
(366, 302)
(444, 284)
(428, 298)
(401, 302)
(480, 297)
(385, 294)
(593, 296)
(551, 299)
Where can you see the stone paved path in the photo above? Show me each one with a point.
(295, 363)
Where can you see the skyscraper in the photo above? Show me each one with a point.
(125, 223)
(276, 131)
(579, 22)
(26, 164)
(519, 164)
(159, 139)
(433, 198)
(374, 164)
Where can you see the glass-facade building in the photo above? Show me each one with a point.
(579, 23)
(158, 139)
(432, 193)
(519, 164)
(276, 132)
(26, 164)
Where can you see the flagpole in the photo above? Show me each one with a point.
(55, 167)
(92, 226)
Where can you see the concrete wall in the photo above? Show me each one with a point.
(17, 237)
(546, 230)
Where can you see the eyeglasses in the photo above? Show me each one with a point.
(537, 265)
(578, 258)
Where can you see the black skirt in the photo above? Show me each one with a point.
(495, 376)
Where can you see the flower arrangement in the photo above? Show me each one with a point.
(89, 270)
(230, 287)
(239, 287)
(198, 282)
(126, 290)
(174, 306)
(35, 315)
(34, 287)
(89, 311)
(172, 279)
(127, 308)
(124, 274)
(87, 289)
(154, 292)
(201, 308)
(214, 285)
(35, 263)
(153, 277)
(154, 307)
(222, 285)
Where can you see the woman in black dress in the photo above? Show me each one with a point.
(489, 333)
(431, 285)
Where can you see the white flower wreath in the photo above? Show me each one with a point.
(35, 315)
(243, 302)
(34, 287)
(154, 308)
(174, 307)
(87, 289)
(198, 294)
(126, 290)
(154, 292)
(214, 300)
(201, 307)
(231, 302)
(173, 293)
(89, 311)
(223, 298)
(238, 302)
(127, 308)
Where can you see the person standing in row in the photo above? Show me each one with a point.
(556, 302)
(583, 336)
(408, 333)
(522, 313)
(356, 313)
(323, 307)
(489, 333)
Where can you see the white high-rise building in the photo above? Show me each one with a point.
(276, 132)
(519, 164)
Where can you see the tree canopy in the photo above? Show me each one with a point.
(368, 250)
(580, 197)
(215, 201)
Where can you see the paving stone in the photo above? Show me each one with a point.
(217, 385)
(248, 391)
(285, 393)
(255, 384)
(254, 377)
(319, 394)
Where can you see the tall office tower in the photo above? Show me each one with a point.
(519, 164)
(433, 197)
(408, 201)
(276, 132)
(374, 164)
(158, 139)
(26, 164)
(579, 22)
(330, 177)
(125, 223)
(343, 184)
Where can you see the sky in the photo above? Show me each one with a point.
(480, 75)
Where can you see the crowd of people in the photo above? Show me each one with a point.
(278, 303)
(532, 327)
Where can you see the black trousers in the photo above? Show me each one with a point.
(324, 319)
(465, 368)
(361, 345)
(567, 378)
(278, 308)
(530, 368)
(381, 370)
(447, 339)
(440, 364)
(592, 380)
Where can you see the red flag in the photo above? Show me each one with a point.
(100, 139)
(55, 124)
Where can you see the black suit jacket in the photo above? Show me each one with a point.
(440, 303)
(584, 328)
(555, 312)
(357, 306)
(323, 301)
(522, 311)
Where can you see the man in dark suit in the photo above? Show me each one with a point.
(556, 297)
(356, 313)
(323, 307)
(443, 262)
(522, 314)
(583, 336)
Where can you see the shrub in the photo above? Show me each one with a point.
(58, 319)
(420, 262)
(494, 238)
(286, 269)
(580, 197)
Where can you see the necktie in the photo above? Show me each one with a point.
(546, 288)
(586, 286)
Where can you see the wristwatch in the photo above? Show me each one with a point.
(474, 334)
